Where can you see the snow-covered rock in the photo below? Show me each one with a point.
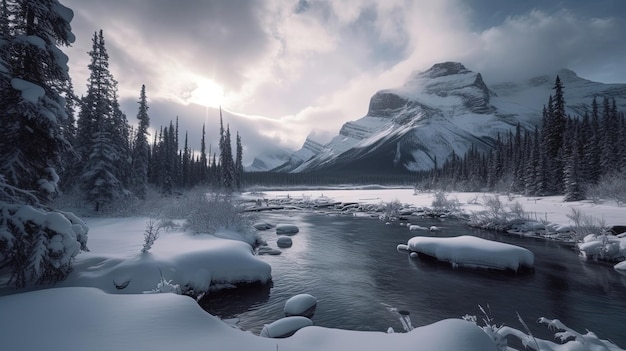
(300, 305)
(621, 266)
(470, 251)
(285, 327)
(287, 229)
(284, 242)
(606, 247)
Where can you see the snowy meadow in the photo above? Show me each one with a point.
(121, 295)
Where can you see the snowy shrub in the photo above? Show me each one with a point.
(497, 215)
(442, 204)
(165, 286)
(391, 210)
(570, 338)
(585, 224)
(209, 213)
(610, 187)
(38, 246)
(150, 234)
(490, 328)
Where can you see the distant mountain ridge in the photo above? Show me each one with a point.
(442, 110)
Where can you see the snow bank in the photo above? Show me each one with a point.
(191, 261)
(285, 327)
(80, 319)
(606, 247)
(470, 251)
(550, 208)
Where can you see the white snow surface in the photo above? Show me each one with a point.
(471, 251)
(186, 259)
(550, 208)
(87, 312)
(285, 326)
(80, 319)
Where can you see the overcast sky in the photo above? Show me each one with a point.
(289, 67)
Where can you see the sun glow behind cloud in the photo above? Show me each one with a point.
(315, 64)
(207, 93)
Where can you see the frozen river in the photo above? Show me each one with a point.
(351, 265)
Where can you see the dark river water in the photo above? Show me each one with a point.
(350, 264)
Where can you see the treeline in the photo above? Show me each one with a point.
(107, 159)
(252, 179)
(563, 155)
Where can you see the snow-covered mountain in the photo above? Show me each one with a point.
(269, 160)
(442, 110)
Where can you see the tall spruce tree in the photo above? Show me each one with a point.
(610, 137)
(33, 77)
(203, 171)
(593, 146)
(239, 164)
(226, 160)
(186, 164)
(35, 245)
(100, 118)
(141, 149)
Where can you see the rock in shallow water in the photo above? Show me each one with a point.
(284, 242)
(286, 229)
(300, 305)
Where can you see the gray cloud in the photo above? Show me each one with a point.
(314, 64)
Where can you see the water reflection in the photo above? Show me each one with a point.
(353, 269)
(229, 303)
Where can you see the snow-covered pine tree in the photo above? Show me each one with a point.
(214, 171)
(141, 149)
(37, 244)
(228, 166)
(103, 131)
(186, 163)
(593, 145)
(99, 185)
(574, 190)
(203, 166)
(168, 159)
(120, 132)
(610, 137)
(622, 143)
(33, 72)
(238, 163)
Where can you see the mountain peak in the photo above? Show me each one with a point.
(445, 69)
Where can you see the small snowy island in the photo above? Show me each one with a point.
(472, 252)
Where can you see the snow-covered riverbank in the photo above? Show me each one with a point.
(547, 217)
(102, 305)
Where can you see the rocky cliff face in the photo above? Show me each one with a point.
(445, 109)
